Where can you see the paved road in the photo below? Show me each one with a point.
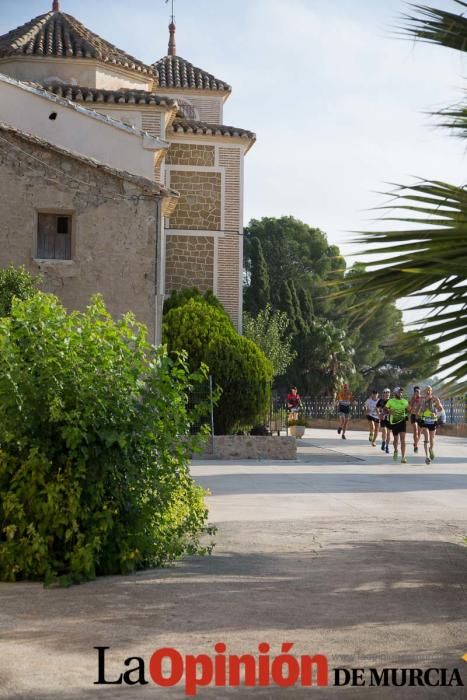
(343, 553)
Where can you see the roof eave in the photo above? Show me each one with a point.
(148, 77)
(58, 88)
(204, 92)
(247, 140)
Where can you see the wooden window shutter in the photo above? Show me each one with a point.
(54, 237)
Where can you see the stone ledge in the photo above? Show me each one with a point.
(250, 447)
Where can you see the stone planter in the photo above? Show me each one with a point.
(297, 431)
(249, 447)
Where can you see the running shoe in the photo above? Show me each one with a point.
(403, 460)
(415, 449)
(395, 455)
(432, 454)
(427, 460)
(343, 437)
(339, 431)
(387, 449)
(373, 444)
(383, 445)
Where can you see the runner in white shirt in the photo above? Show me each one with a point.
(372, 415)
(384, 420)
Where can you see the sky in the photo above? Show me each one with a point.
(338, 102)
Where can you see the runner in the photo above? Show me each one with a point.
(372, 416)
(414, 405)
(384, 420)
(429, 410)
(344, 398)
(294, 404)
(398, 409)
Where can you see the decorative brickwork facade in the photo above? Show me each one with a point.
(189, 262)
(197, 155)
(199, 206)
(190, 154)
(230, 258)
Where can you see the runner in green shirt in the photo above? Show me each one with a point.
(398, 410)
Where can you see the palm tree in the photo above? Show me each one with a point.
(426, 261)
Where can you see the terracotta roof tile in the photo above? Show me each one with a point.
(189, 126)
(176, 72)
(75, 93)
(60, 35)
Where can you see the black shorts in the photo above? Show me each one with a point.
(398, 428)
(428, 426)
(372, 419)
(343, 408)
(414, 419)
(385, 423)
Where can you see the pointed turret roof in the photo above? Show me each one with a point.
(177, 72)
(60, 35)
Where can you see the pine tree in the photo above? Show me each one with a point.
(300, 324)
(257, 295)
(306, 305)
(285, 303)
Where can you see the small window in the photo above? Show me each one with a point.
(54, 237)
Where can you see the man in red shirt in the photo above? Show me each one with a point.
(294, 403)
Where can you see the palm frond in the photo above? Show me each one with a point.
(427, 262)
(454, 118)
(438, 26)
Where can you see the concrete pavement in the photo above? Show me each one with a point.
(343, 552)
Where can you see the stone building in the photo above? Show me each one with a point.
(162, 122)
(86, 227)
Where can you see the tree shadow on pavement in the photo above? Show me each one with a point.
(375, 583)
(273, 693)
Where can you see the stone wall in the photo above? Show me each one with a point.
(113, 238)
(190, 154)
(189, 262)
(250, 447)
(199, 206)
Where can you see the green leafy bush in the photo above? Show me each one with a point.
(244, 374)
(270, 331)
(181, 297)
(16, 282)
(237, 365)
(94, 446)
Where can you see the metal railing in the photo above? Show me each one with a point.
(276, 417)
(325, 407)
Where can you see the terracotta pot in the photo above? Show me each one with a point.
(297, 431)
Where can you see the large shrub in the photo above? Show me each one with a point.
(94, 446)
(237, 365)
(179, 297)
(244, 374)
(16, 282)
